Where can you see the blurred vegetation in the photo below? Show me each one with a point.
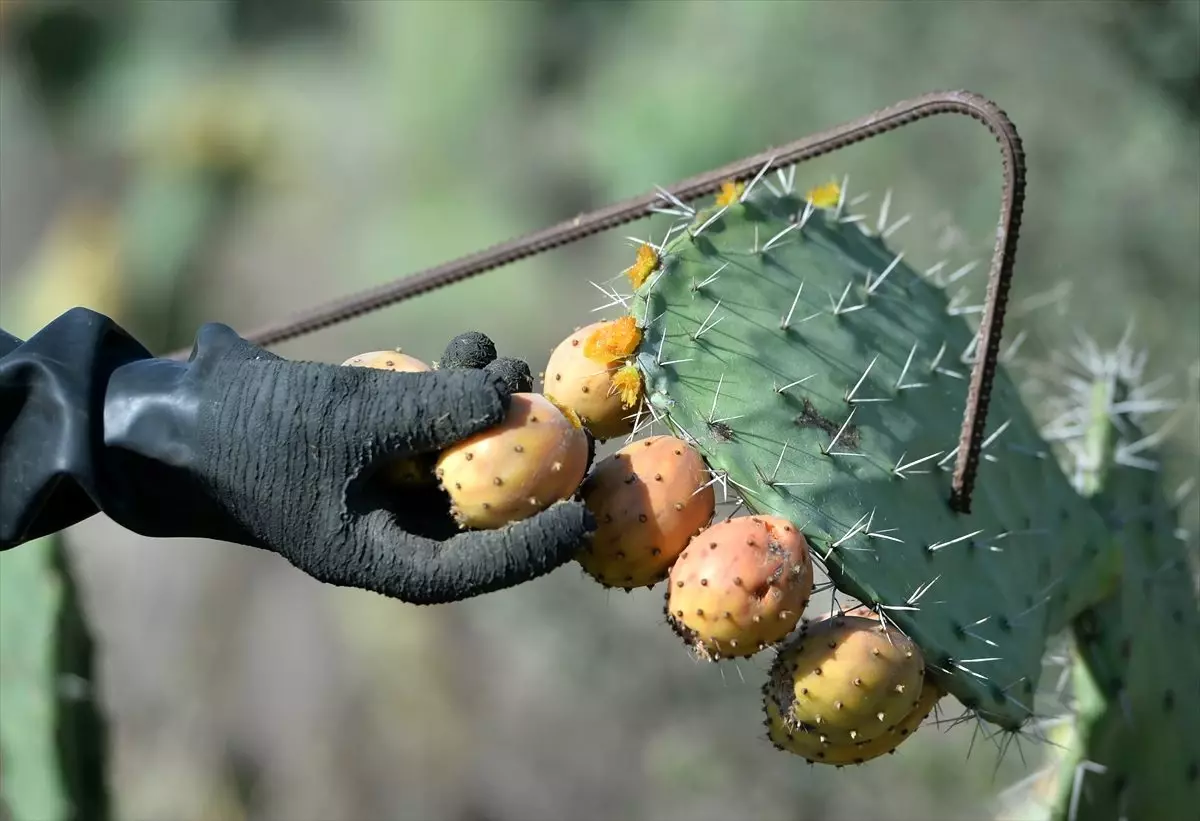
(172, 163)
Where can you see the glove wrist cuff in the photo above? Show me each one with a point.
(156, 413)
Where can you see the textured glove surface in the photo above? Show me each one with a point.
(293, 451)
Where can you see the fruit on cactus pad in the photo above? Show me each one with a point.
(589, 373)
(844, 681)
(648, 498)
(741, 585)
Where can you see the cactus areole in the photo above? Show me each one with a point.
(822, 378)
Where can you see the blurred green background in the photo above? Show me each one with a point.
(181, 161)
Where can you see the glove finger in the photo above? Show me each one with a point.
(515, 373)
(220, 343)
(423, 412)
(471, 349)
(425, 571)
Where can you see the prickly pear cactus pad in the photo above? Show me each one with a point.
(54, 739)
(823, 379)
(1137, 655)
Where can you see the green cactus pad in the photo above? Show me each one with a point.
(821, 374)
(54, 733)
(1137, 656)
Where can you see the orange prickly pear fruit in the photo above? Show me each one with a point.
(741, 585)
(535, 457)
(648, 498)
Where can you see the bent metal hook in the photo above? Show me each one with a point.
(880, 122)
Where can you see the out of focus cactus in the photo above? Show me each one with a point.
(1131, 741)
(125, 256)
(53, 732)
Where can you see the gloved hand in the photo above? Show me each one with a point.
(240, 445)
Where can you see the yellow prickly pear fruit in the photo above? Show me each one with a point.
(844, 681)
(648, 498)
(808, 744)
(817, 747)
(588, 373)
(395, 360)
(741, 585)
(534, 458)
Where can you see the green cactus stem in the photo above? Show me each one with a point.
(1136, 659)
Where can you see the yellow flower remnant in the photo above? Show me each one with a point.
(825, 196)
(647, 261)
(613, 340)
(730, 192)
(628, 383)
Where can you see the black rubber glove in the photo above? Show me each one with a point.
(240, 445)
